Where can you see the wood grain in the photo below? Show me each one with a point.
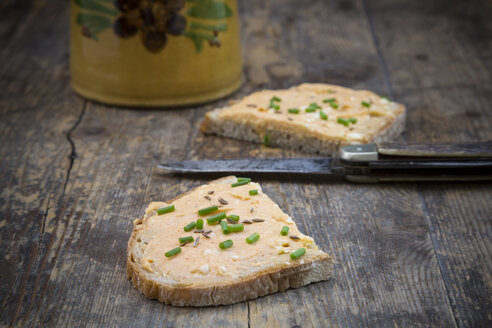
(37, 111)
(74, 175)
(436, 54)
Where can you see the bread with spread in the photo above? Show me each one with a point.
(221, 243)
(312, 118)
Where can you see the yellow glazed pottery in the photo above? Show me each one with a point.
(155, 52)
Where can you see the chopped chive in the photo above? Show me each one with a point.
(352, 120)
(310, 110)
(236, 227)
(343, 121)
(314, 105)
(388, 99)
(284, 231)
(234, 217)
(334, 105)
(274, 106)
(366, 104)
(226, 244)
(164, 210)
(275, 98)
(329, 100)
(237, 184)
(208, 210)
(199, 224)
(173, 252)
(323, 115)
(253, 238)
(297, 253)
(266, 138)
(243, 179)
(293, 110)
(216, 218)
(225, 227)
(190, 226)
(253, 192)
(188, 239)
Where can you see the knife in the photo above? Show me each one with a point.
(369, 163)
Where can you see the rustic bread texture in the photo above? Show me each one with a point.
(262, 283)
(292, 138)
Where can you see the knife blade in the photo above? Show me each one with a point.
(364, 163)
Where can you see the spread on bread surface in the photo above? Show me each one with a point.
(205, 260)
(330, 112)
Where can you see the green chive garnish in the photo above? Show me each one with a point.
(265, 139)
(190, 226)
(188, 239)
(225, 227)
(334, 105)
(274, 106)
(199, 224)
(237, 184)
(253, 238)
(284, 231)
(275, 98)
(234, 217)
(164, 210)
(243, 179)
(310, 110)
(297, 253)
(207, 210)
(352, 120)
(366, 104)
(323, 115)
(253, 192)
(293, 110)
(216, 218)
(314, 105)
(343, 121)
(173, 252)
(329, 100)
(388, 99)
(236, 227)
(226, 244)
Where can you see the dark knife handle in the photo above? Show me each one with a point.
(437, 150)
(419, 162)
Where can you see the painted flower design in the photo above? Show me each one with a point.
(155, 20)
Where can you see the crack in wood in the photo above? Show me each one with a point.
(73, 152)
(45, 216)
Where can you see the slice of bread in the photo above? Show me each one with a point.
(205, 274)
(348, 117)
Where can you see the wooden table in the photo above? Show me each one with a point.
(75, 174)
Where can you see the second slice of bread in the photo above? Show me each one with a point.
(270, 117)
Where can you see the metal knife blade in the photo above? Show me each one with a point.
(364, 163)
(323, 166)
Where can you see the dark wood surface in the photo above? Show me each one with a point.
(73, 174)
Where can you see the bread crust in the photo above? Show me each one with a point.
(263, 283)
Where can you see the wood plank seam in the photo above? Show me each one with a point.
(434, 246)
(249, 315)
(382, 61)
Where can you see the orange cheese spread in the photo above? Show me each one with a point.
(207, 262)
(372, 113)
